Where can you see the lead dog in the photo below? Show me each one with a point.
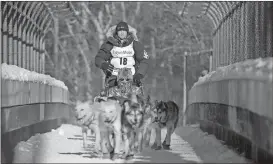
(104, 118)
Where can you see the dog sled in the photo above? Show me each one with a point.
(124, 80)
(124, 86)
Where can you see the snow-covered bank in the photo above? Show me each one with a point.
(260, 68)
(13, 72)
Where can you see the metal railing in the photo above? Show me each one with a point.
(243, 30)
(22, 34)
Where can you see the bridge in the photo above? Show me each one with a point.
(233, 101)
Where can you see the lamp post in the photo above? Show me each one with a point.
(210, 61)
(185, 77)
(184, 87)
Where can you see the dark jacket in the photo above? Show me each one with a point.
(141, 58)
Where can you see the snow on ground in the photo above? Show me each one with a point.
(179, 147)
(13, 72)
(208, 147)
(260, 68)
(64, 145)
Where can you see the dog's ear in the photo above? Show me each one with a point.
(156, 102)
(164, 105)
(147, 108)
(90, 103)
(99, 99)
(141, 101)
(112, 98)
(126, 106)
(148, 99)
(134, 98)
(78, 102)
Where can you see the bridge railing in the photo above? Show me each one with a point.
(31, 102)
(242, 31)
(237, 98)
(23, 32)
(234, 101)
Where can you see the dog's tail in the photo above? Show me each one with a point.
(177, 113)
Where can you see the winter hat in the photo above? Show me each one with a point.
(122, 26)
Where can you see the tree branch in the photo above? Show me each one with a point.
(113, 8)
(123, 11)
(107, 26)
(181, 13)
(64, 52)
(174, 47)
(49, 58)
(92, 17)
(180, 19)
(100, 18)
(81, 51)
(137, 11)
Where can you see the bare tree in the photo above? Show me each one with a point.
(101, 27)
(80, 48)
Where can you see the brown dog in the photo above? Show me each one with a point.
(132, 123)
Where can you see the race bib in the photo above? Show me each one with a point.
(123, 57)
(123, 62)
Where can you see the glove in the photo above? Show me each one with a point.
(108, 67)
(137, 77)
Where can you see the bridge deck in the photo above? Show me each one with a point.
(64, 145)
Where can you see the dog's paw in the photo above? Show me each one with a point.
(157, 148)
(127, 156)
(154, 146)
(111, 149)
(106, 156)
(114, 156)
(146, 144)
(165, 146)
(98, 154)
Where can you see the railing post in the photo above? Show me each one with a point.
(20, 37)
(243, 29)
(251, 29)
(236, 37)
(24, 46)
(4, 36)
(10, 41)
(269, 27)
(229, 39)
(31, 47)
(28, 47)
(15, 36)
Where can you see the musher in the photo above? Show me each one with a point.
(122, 49)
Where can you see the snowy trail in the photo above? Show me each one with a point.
(64, 145)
